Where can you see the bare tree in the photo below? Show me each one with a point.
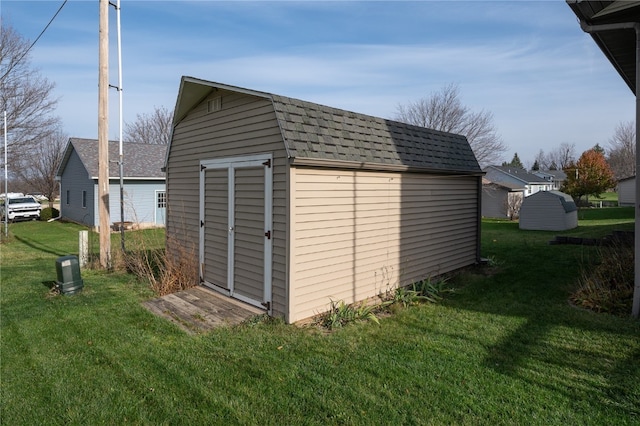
(153, 128)
(622, 151)
(40, 168)
(444, 111)
(562, 156)
(24, 95)
(512, 205)
(542, 160)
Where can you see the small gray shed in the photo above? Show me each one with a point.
(548, 211)
(288, 205)
(627, 191)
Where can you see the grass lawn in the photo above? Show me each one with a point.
(504, 348)
(606, 196)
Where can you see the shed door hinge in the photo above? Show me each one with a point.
(268, 235)
(202, 167)
(267, 163)
(267, 305)
(201, 223)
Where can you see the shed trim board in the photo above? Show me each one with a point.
(232, 287)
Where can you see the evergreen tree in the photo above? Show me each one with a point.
(515, 162)
(536, 166)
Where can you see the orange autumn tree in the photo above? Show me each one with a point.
(591, 175)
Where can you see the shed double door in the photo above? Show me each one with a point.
(235, 227)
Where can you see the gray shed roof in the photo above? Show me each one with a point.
(141, 161)
(319, 134)
(565, 199)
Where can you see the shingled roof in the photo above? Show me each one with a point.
(314, 131)
(141, 161)
(321, 134)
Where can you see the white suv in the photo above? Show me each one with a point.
(21, 208)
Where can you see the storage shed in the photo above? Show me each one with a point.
(501, 200)
(548, 211)
(627, 191)
(291, 204)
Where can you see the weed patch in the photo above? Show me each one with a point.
(608, 285)
(165, 273)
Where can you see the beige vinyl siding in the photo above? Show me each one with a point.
(356, 234)
(245, 125)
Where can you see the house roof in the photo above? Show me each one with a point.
(318, 134)
(617, 41)
(557, 175)
(140, 161)
(519, 174)
(512, 187)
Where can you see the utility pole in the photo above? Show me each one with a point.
(103, 136)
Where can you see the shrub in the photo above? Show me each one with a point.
(49, 213)
(608, 287)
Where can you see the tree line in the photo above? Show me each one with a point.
(37, 141)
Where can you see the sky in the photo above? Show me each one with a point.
(526, 62)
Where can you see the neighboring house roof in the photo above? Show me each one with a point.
(553, 175)
(315, 134)
(626, 179)
(512, 187)
(140, 161)
(516, 173)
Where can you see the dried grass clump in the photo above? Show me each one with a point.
(165, 273)
(608, 287)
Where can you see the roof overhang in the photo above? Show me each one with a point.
(611, 25)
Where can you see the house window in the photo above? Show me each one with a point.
(67, 197)
(162, 199)
(84, 199)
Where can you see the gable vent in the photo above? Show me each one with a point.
(214, 104)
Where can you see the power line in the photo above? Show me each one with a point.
(35, 41)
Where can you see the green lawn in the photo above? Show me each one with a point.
(504, 348)
(606, 196)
